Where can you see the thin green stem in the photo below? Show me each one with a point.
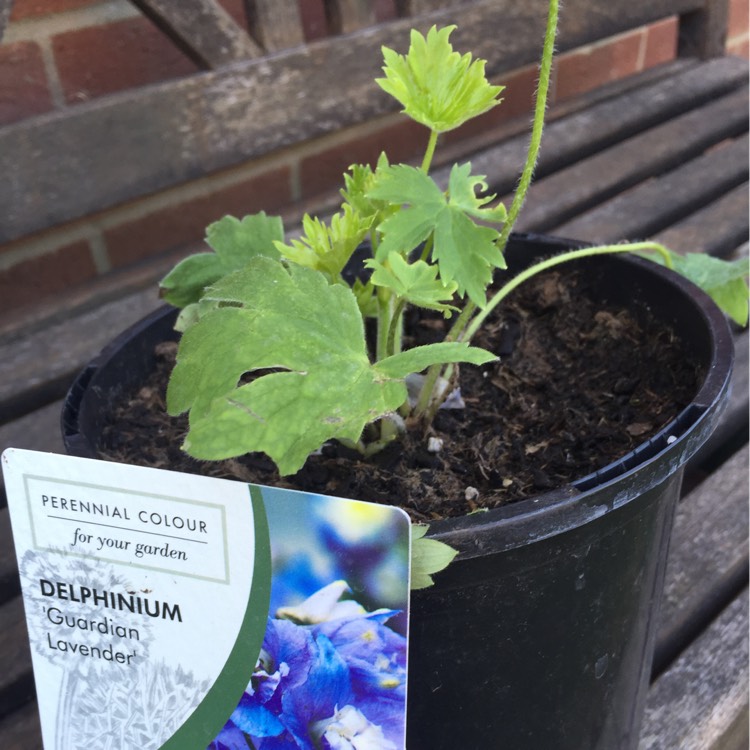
(395, 328)
(434, 372)
(383, 323)
(430, 152)
(586, 252)
(427, 249)
(542, 92)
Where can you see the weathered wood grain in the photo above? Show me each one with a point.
(414, 7)
(733, 425)
(5, 6)
(276, 24)
(716, 229)
(591, 181)
(39, 368)
(701, 703)
(352, 15)
(584, 133)
(202, 29)
(17, 682)
(10, 585)
(39, 430)
(652, 206)
(135, 143)
(22, 730)
(708, 559)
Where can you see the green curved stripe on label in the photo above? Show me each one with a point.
(205, 723)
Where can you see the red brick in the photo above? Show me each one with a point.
(314, 20)
(385, 10)
(661, 43)
(739, 18)
(32, 280)
(236, 9)
(740, 48)
(322, 172)
(583, 70)
(175, 226)
(34, 8)
(23, 82)
(125, 54)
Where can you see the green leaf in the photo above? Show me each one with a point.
(428, 556)
(235, 242)
(462, 188)
(357, 184)
(416, 282)
(421, 357)
(724, 281)
(465, 251)
(191, 314)
(436, 86)
(305, 341)
(327, 248)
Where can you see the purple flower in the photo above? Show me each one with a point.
(333, 679)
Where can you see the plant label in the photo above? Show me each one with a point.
(182, 612)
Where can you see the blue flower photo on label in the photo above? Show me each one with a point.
(332, 670)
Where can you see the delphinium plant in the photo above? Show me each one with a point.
(284, 312)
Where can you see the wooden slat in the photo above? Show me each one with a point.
(584, 133)
(351, 15)
(202, 29)
(138, 142)
(708, 557)
(701, 703)
(650, 207)
(415, 7)
(716, 229)
(38, 369)
(591, 181)
(276, 24)
(39, 430)
(10, 585)
(703, 32)
(734, 421)
(22, 730)
(5, 6)
(16, 682)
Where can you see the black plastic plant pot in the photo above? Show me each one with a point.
(540, 634)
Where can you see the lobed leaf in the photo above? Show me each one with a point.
(416, 282)
(437, 86)
(305, 341)
(327, 248)
(465, 252)
(234, 242)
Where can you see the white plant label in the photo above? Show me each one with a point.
(168, 610)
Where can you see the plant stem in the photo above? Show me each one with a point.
(433, 373)
(430, 152)
(383, 323)
(394, 339)
(460, 328)
(545, 70)
(557, 260)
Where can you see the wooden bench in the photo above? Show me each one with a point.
(663, 154)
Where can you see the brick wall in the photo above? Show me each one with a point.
(737, 36)
(59, 53)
